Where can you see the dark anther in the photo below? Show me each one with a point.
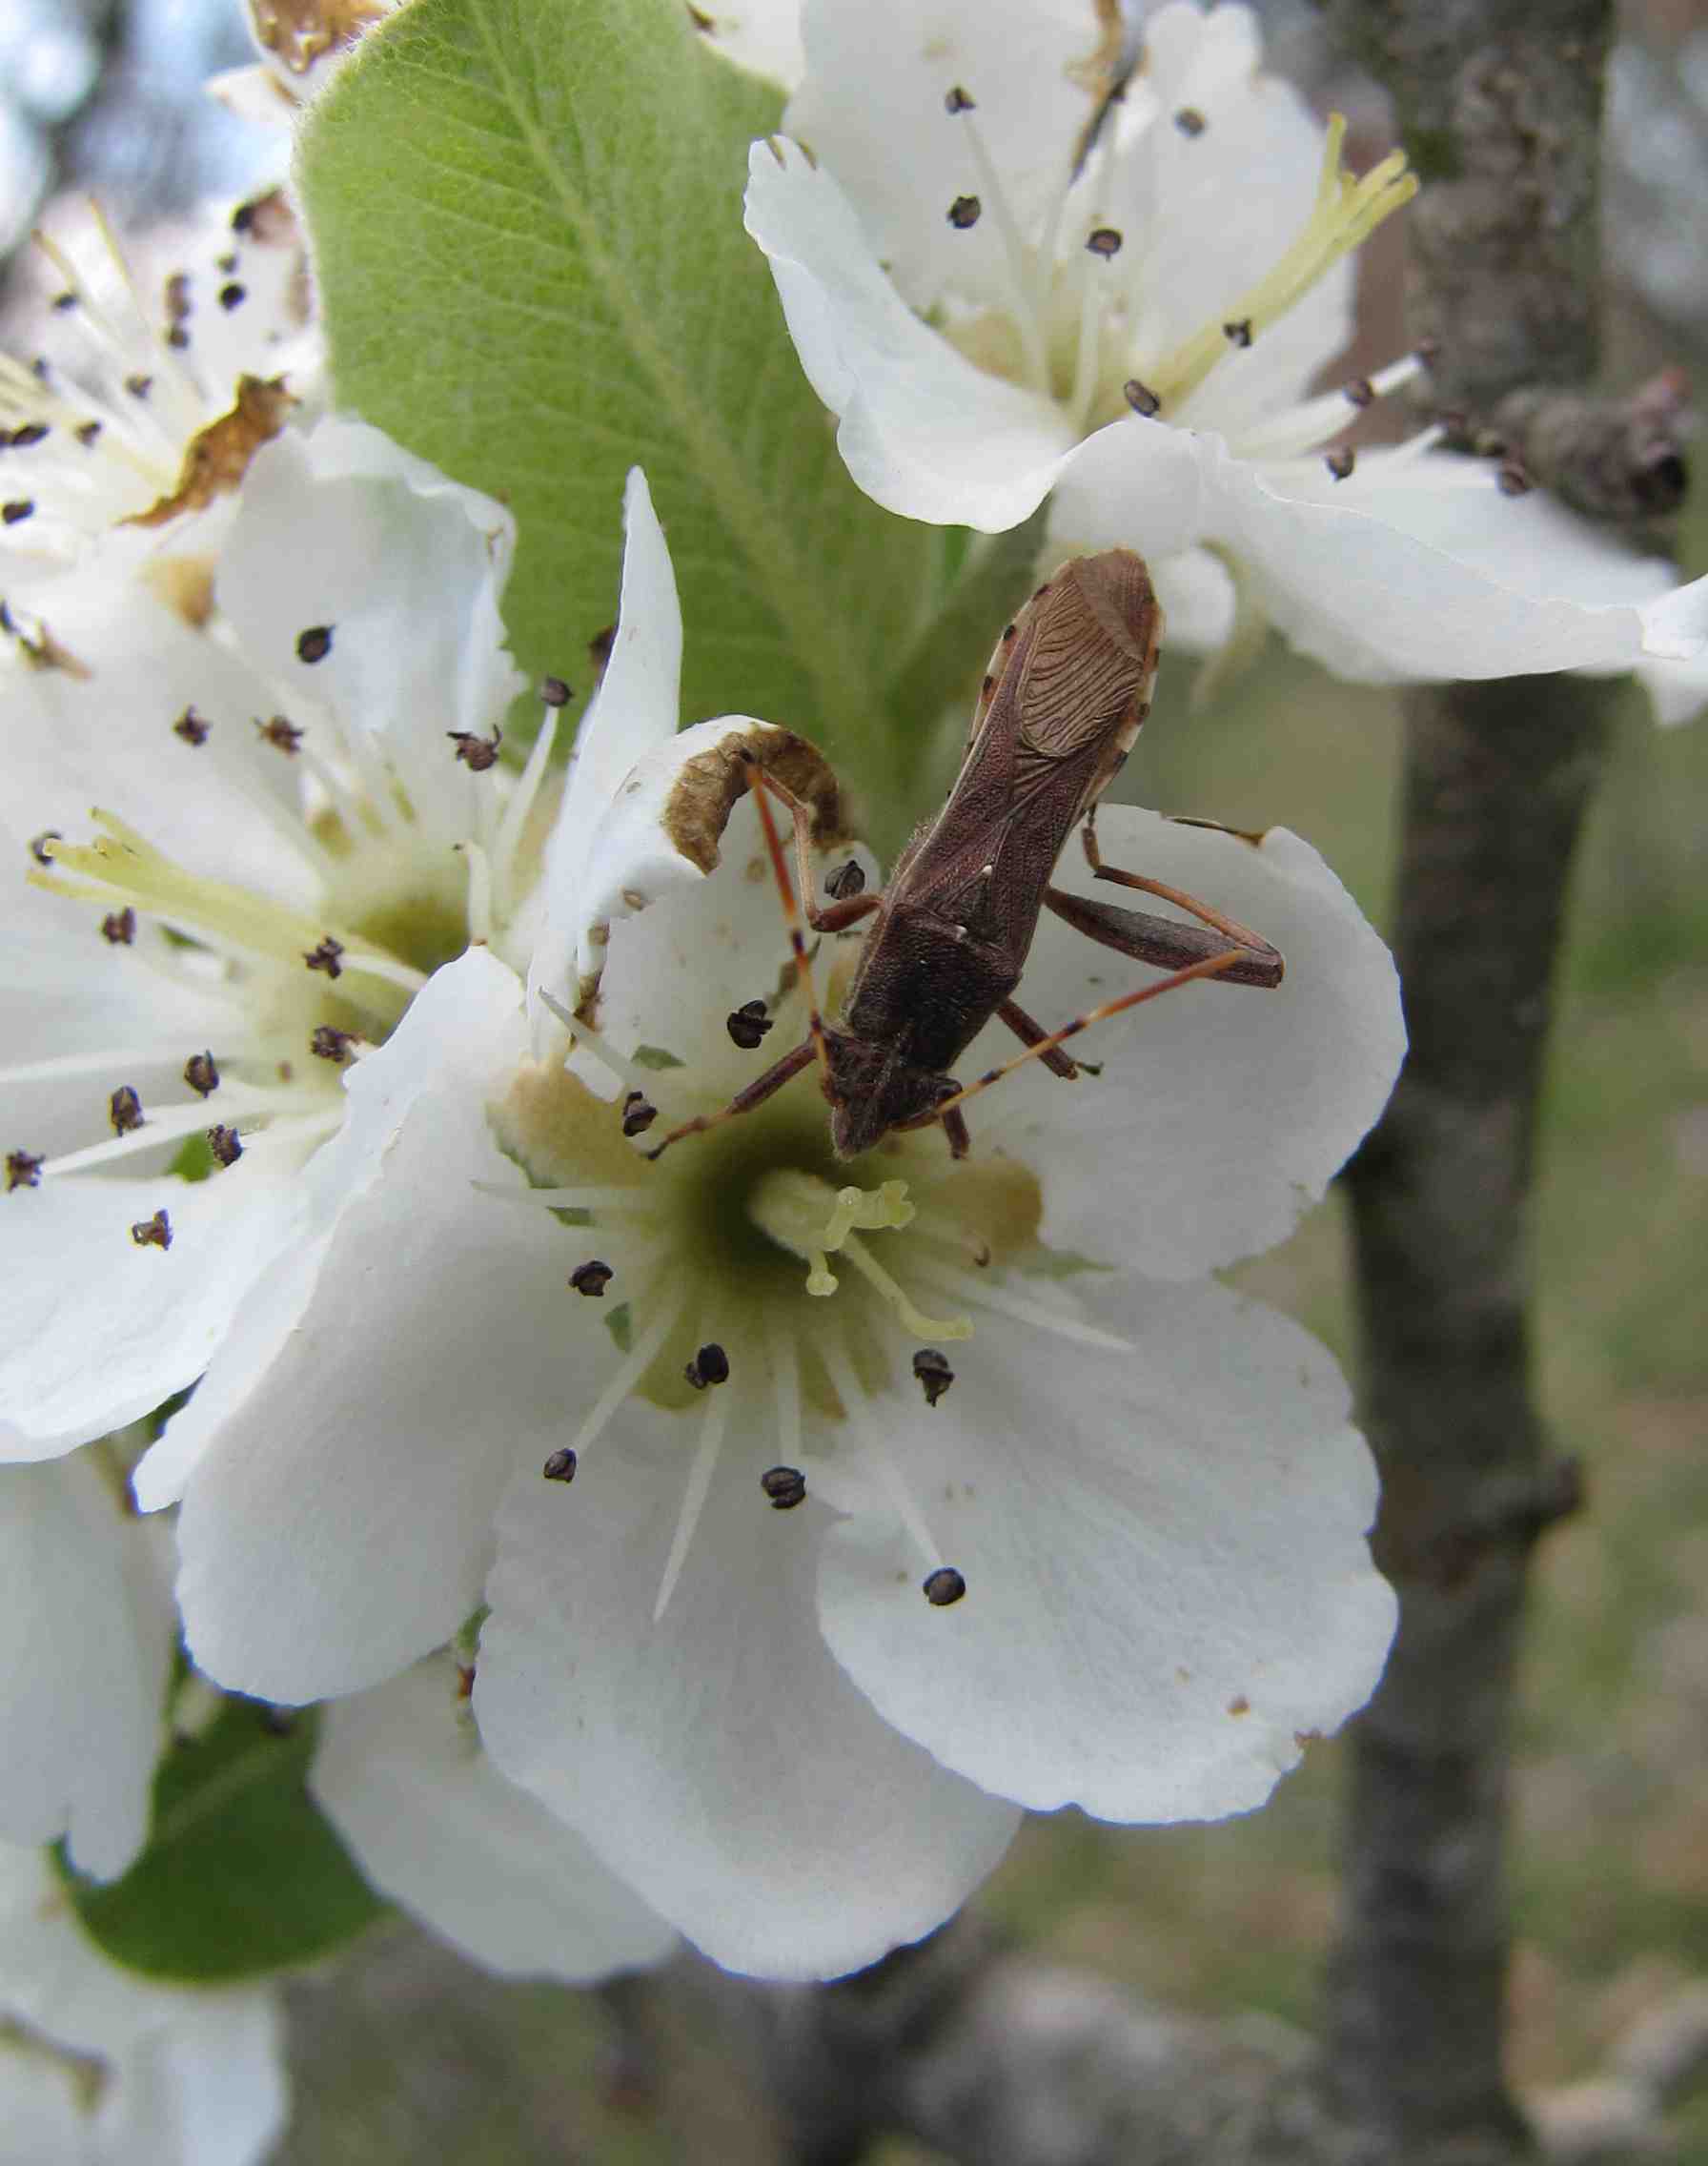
(201, 1074)
(1140, 397)
(139, 386)
(328, 1043)
(1513, 480)
(282, 735)
(964, 212)
(153, 1232)
(118, 928)
(226, 1145)
(233, 295)
(476, 753)
(561, 1466)
(63, 303)
(1360, 390)
(326, 957)
(638, 1114)
(177, 338)
(1104, 241)
(591, 1279)
(243, 217)
(314, 644)
(747, 1024)
(23, 1170)
(599, 646)
(31, 432)
(88, 433)
(848, 879)
(554, 691)
(1340, 461)
(1238, 334)
(957, 101)
(124, 1109)
(931, 1367)
(1190, 121)
(784, 1485)
(38, 844)
(19, 509)
(709, 1366)
(944, 1587)
(191, 728)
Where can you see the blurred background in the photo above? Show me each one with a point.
(408, 2055)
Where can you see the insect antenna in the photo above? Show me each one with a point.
(793, 915)
(1207, 966)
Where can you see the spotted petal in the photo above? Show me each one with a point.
(716, 1757)
(1167, 1581)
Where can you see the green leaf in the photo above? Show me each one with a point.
(527, 226)
(241, 1875)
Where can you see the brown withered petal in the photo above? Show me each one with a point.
(217, 458)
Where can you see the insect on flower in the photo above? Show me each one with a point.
(1067, 689)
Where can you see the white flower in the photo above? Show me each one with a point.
(102, 2067)
(738, 1695)
(1002, 296)
(126, 434)
(263, 892)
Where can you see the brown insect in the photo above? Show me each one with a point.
(1068, 687)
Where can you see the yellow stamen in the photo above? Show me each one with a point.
(789, 1206)
(122, 863)
(1346, 212)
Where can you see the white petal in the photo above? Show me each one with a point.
(872, 109)
(1677, 690)
(341, 530)
(764, 37)
(708, 942)
(634, 714)
(101, 1330)
(1135, 484)
(86, 1639)
(1676, 625)
(1196, 591)
(194, 2078)
(923, 432)
(434, 1825)
(355, 1477)
(715, 1759)
(1226, 1109)
(1167, 1581)
(1206, 216)
(208, 2090)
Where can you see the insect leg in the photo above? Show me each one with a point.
(1163, 941)
(1206, 966)
(762, 788)
(756, 1093)
(1030, 1033)
(1258, 947)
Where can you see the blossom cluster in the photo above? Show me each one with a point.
(727, 1539)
